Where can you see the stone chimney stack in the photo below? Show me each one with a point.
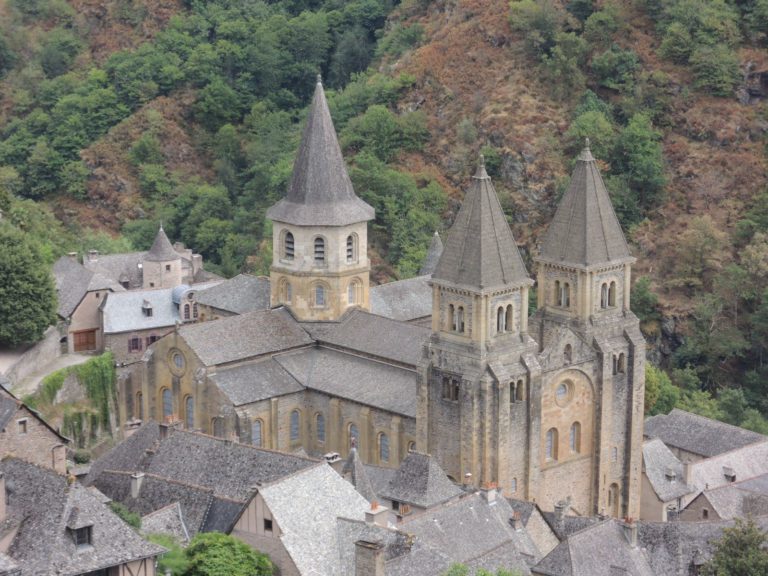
(377, 515)
(688, 472)
(72, 256)
(517, 522)
(630, 531)
(369, 558)
(93, 255)
(560, 510)
(167, 427)
(136, 481)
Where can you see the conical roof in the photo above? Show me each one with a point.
(320, 193)
(480, 251)
(585, 230)
(433, 255)
(162, 250)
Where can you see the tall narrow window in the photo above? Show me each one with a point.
(411, 446)
(500, 320)
(621, 364)
(186, 311)
(460, 319)
(520, 390)
(558, 293)
(285, 291)
(194, 310)
(575, 438)
(288, 248)
(218, 427)
(320, 427)
(189, 412)
(352, 291)
(567, 353)
(509, 319)
(512, 392)
(551, 448)
(452, 317)
(319, 250)
(319, 296)
(612, 295)
(354, 436)
(383, 447)
(167, 404)
(139, 413)
(295, 425)
(256, 433)
(351, 249)
(566, 296)
(604, 296)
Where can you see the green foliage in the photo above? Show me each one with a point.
(27, 294)
(174, 560)
(645, 304)
(742, 551)
(383, 134)
(661, 396)
(716, 69)
(58, 51)
(540, 21)
(600, 27)
(81, 456)
(7, 57)
(131, 518)
(562, 65)
(700, 253)
(492, 160)
(581, 9)
(677, 44)
(462, 570)
(400, 39)
(50, 386)
(216, 554)
(615, 68)
(146, 150)
(592, 124)
(466, 133)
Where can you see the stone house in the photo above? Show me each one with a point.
(52, 525)
(747, 498)
(23, 433)
(665, 482)
(547, 407)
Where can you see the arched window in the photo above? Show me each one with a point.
(319, 250)
(218, 427)
(512, 392)
(604, 295)
(551, 448)
(257, 428)
(319, 296)
(139, 411)
(167, 404)
(501, 325)
(509, 319)
(288, 248)
(383, 447)
(615, 364)
(612, 294)
(194, 311)
(320, 427)
(614, 454)
(566, 298)
(353, 290)
(520, 390)
(189, 412)
(460, 319)
(621, 364)
(351, 248)
(285, 291)
(613, 500)
(567, 353)
(574, 440)
(186, 311)
(452, 317)
(353, 434)
(513, 485)
(557, 293)
(295, 426)
(411, 446)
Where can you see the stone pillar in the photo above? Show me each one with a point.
(369, 558)
(395, 441)
(274, 424)
(524, 310)
(366, 435)
(485, 423)
(333, 426)
(627, 284)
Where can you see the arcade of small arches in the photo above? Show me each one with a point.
(319, 293)
(505, 319)
(552, 442)
(319, 243)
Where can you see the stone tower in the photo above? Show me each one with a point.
(161, 267)
(472, 414)
(320, 264)
(591, 353)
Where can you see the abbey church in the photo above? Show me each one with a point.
(548, 407)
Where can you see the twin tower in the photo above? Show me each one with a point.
(548, 406)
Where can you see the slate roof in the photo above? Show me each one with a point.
(254, 382)
(585, 230)
(166, 520)
(379, 478)
(8, 407)
(420, 481)
(697, 434)
(119, 267)
(469, 531)
(320, 192)
(658, 461)
(306, 506)
(74, 281)
(244, 336)
(8, 567)
(130, 455)
(747, 462)
(434, 252)
(480, 251)
(395, 542)
(44, 505)
(358, 379)
(238, 295)
(740, 499)
(373, 335)
(122, 312)
(354, 471)
(162, 249)
(403, 300)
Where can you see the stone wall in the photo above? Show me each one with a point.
(39, 355)
(26, 437)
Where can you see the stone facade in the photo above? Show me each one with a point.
(27, 437)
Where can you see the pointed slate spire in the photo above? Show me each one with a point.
(480, 251)
(320, 192)
(162, 250)
(433, 255)
(585, 230)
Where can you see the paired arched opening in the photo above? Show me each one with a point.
(562, 294)
(505, 319)
(608, 295)
(517, 391)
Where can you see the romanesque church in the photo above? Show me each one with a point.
(549, 406)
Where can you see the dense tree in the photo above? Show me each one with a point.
(216, 554)
(742, 551)
(27, 295)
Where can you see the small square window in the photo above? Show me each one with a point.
(82, 536)
(22, 426)
(167, 267)
(267, 525)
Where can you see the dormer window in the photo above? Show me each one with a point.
(146, 309)
(82, 536)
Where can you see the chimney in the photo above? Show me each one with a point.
(517, 522)
(630, 531)
(377, 515)
(688, 472)
(369, 558)
(166, 428)
(489, 492)
(93, 255)
(560, 509)
(3, 511)
(72, 256)
(136, 480)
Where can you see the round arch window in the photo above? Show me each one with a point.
(564, 393)
(176, 362)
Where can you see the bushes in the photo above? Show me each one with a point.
(716, 69)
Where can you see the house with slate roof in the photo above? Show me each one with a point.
(23, 433)
(51, 525)
(547, 408)
(747, 498)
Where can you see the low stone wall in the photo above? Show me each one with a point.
(39, 355)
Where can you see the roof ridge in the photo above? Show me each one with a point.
(164, 478)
